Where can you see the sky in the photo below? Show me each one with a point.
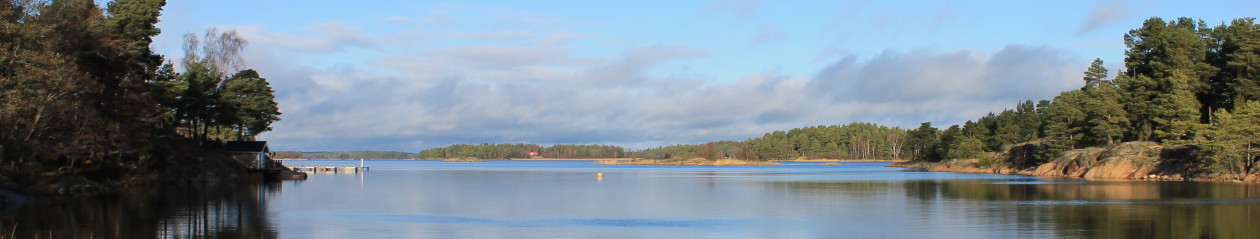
(410, 75)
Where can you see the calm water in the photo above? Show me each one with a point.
(565, 199)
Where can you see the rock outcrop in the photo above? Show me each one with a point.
(1137, 160)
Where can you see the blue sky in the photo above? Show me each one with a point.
(410, 75)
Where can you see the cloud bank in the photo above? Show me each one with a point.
(538, 91)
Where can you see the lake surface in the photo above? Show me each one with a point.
(565, 199)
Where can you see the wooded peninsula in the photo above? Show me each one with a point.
(1185, 106)
(89, 106)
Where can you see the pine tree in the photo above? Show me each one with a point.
(1105, 115)
(1238, 57)
(1065, 121)
(1096, 75)
(1168, 78)
(1138, 93)
(1175, 114)
(922, 143)
(1235, 141)
(950, 138)
(1105, 118)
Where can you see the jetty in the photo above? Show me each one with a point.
(332, 169)
(329, 169)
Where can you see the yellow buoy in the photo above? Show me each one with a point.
(599, 175)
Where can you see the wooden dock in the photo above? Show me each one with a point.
(329, 169)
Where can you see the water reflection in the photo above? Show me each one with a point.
(1047, 208)
(168, 212)
(571, 200)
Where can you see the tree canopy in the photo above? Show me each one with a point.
(80, 84)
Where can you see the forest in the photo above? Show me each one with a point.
(1184, 82)
(84, 94)
(505, 151)
(345, 155)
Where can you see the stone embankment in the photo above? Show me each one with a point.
(1125, 161)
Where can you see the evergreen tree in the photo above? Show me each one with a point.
(252, 103)
(922, 143)
(1237, 55)
(950, 138)
(1106, 120)
(1138, 96)
(1096, 75)
(1175, 113)
(1234, 144)
(1167, 61)
(1065, 119)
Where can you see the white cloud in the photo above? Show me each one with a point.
(768, 33)
(525, 92)
(742, 8)
(923, 80)
(325, 37)
(1109, 12)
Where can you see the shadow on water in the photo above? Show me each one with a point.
(162, 212)
(1075, 209)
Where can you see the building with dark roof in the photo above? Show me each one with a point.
(253, 154)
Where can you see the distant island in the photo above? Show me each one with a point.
(343, 155)
(694, 161)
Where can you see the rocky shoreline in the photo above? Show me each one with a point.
(195, 168)
(1126, 161)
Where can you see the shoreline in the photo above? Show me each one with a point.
(845, 160)
(569, 159)
(953, 167)
(690, 162)
(1136, 160)
(631, 159)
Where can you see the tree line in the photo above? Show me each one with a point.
(503, 151)
(80, 83)
(1184, 82)
(345, 155)
(710, 150)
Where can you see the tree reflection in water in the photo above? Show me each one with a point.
(1076, 209)
(166, 212)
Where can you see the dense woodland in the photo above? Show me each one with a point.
(1184, 83)
(84, 94)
